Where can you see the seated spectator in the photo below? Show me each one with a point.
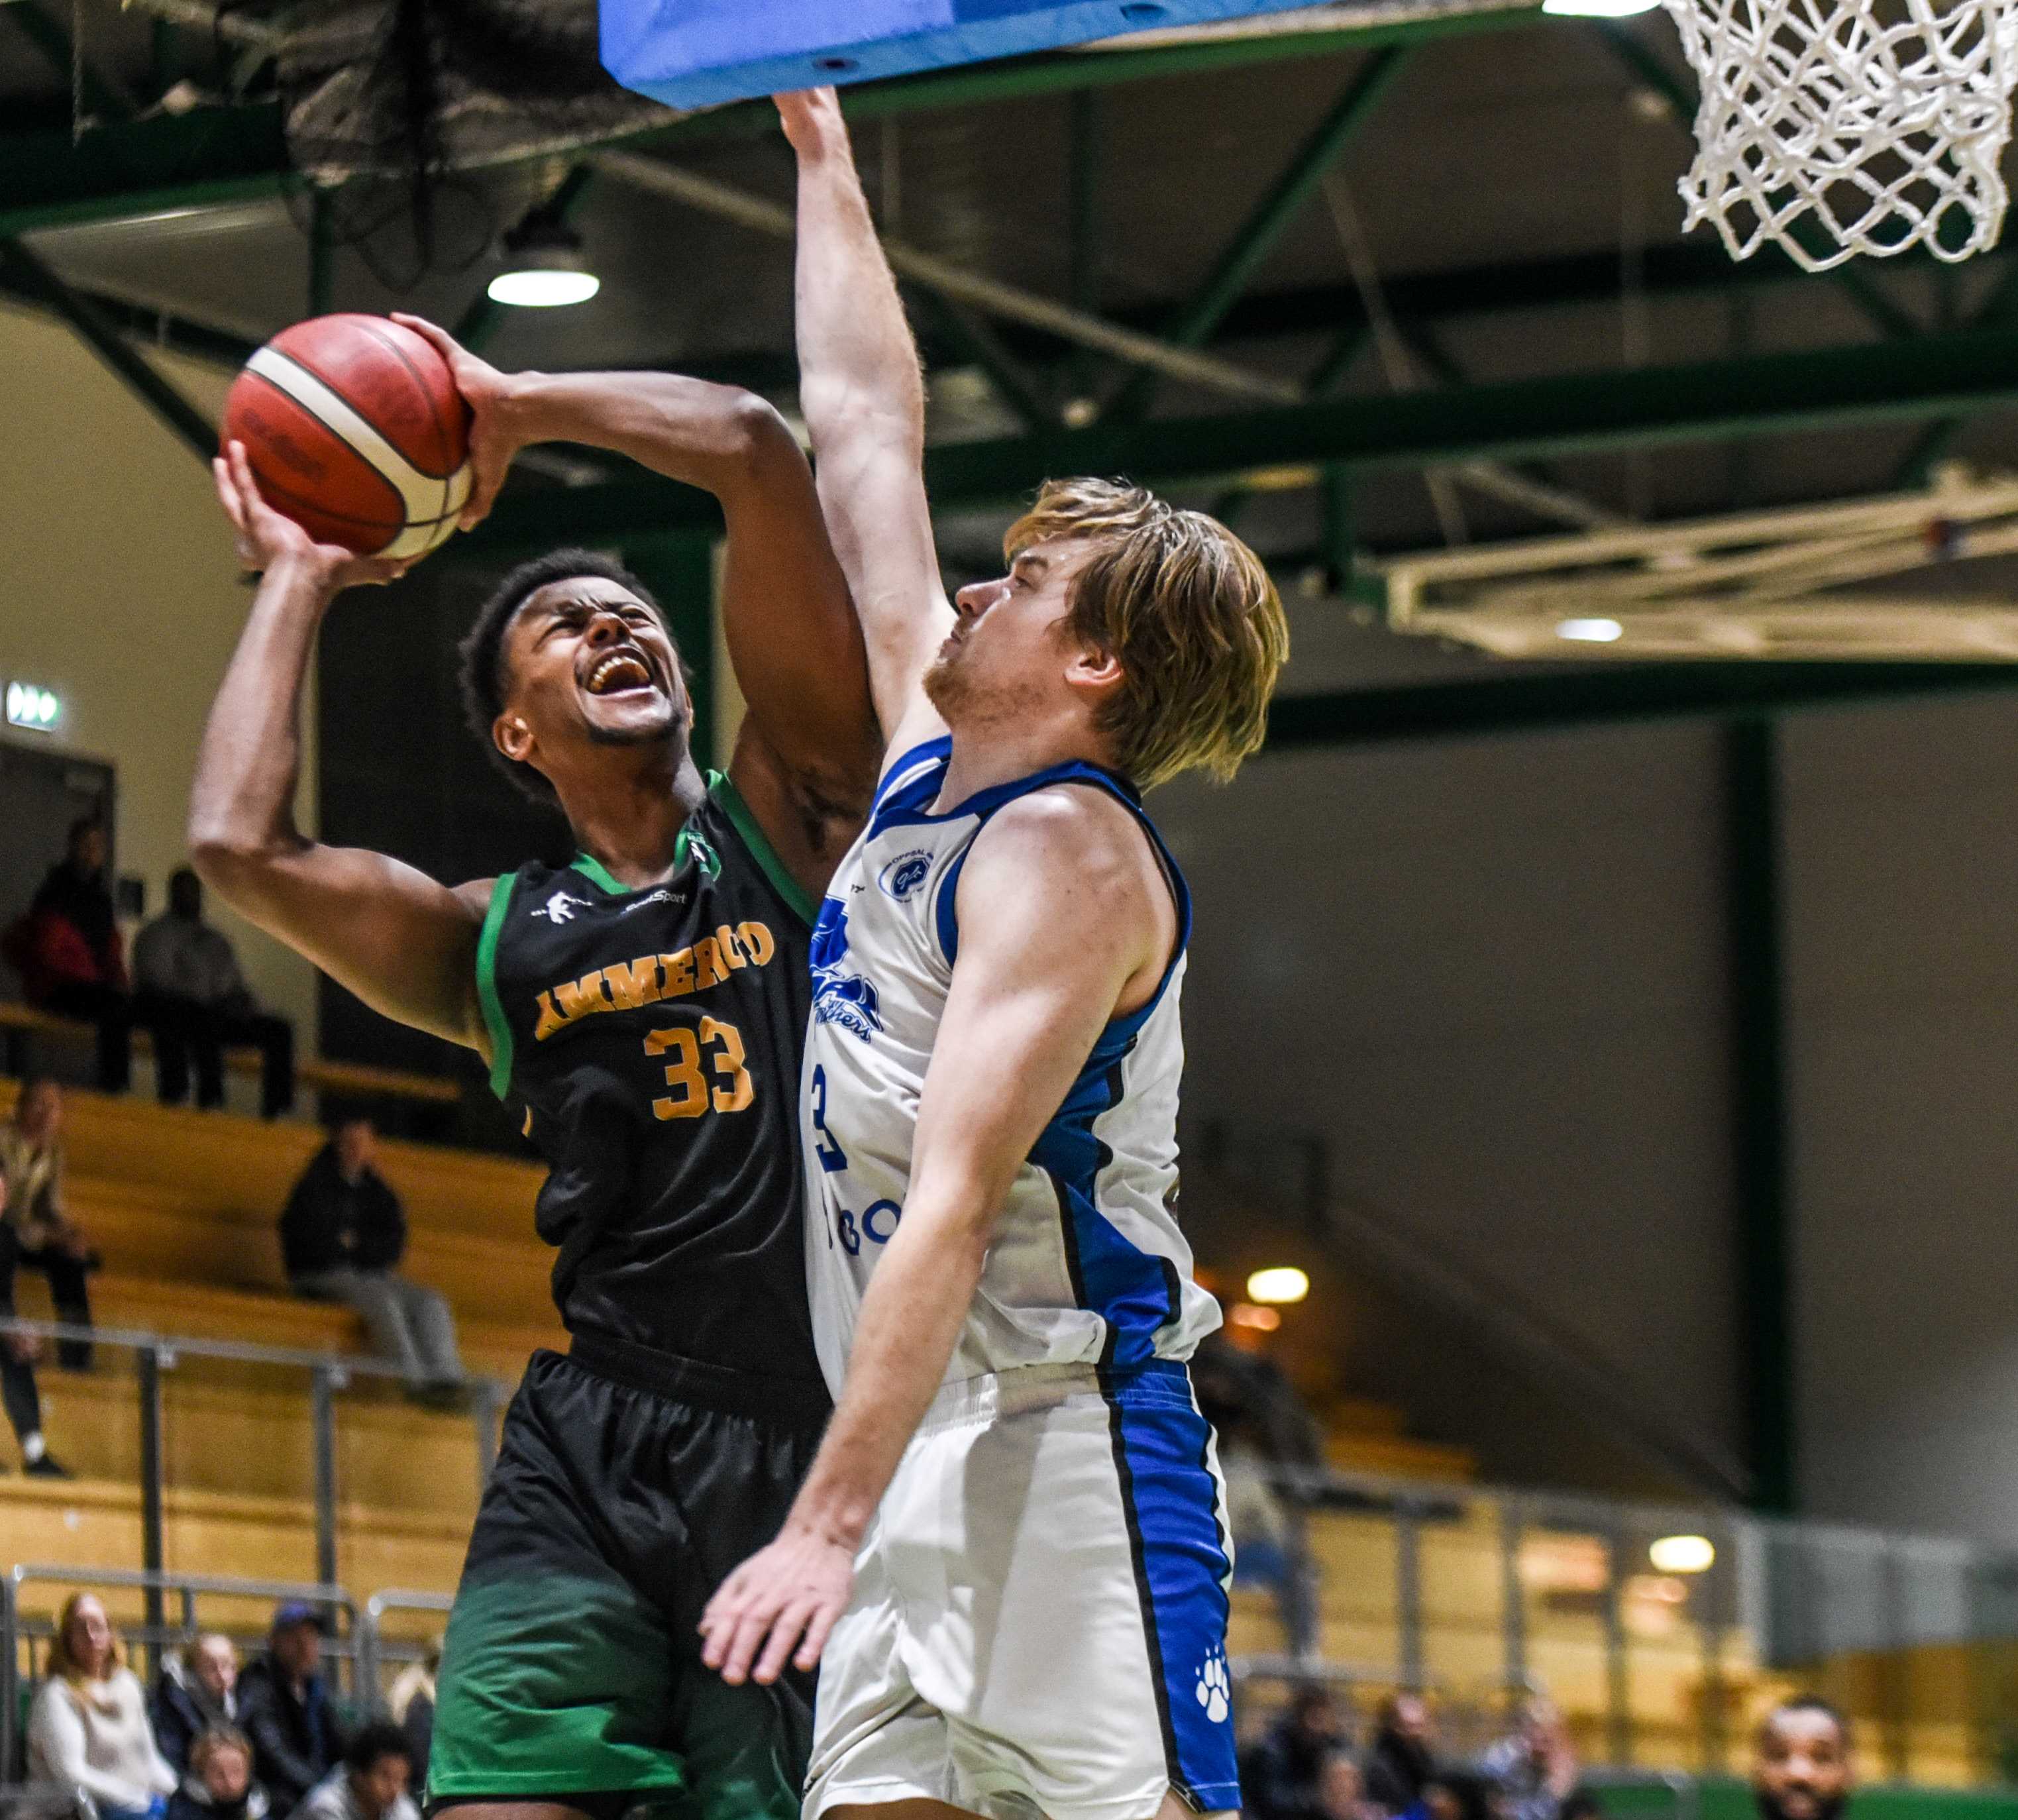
(1802, 1768)
(411, 1703)
(67, 951)
(197, 1692)
(88, 1728)
(370, 1782)
(197, 1002)
(1535, 1767)
(1341, 1788)
(19, 1393)
(1280, 1778)
(1401, 1764)
(46, 1238)
(284, 1709)
(341, 1237)
(219, 1784)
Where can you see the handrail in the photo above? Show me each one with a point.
(391, 1598)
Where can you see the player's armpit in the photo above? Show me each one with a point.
(403, 942)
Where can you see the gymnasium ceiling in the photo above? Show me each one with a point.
(1445, 258)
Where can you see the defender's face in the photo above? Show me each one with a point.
(1803, 1771)
(588, 659)
(1009, 649)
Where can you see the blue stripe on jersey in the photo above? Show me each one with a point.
(1181, 1573)
(910, 782)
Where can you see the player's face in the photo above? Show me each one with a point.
(587, 658)
(1010, 652)
(1802, 1772)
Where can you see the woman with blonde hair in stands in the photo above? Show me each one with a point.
(88, 1728)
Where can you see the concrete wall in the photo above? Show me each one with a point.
(119, 592)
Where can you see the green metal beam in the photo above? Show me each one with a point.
(104, 96)
(1681, 95)
(1760, 1108)
(103, 338)
(1603, 694)
(203, 159)
(1285, 200)
(1650, 407)
(976, 342)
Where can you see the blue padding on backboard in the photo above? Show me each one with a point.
(691, 53)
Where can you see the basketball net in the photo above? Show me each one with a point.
(1840, 127)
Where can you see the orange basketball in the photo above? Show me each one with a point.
(354, 429)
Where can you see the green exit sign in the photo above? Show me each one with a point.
(37, 709)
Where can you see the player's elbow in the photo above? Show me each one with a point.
(228, 856)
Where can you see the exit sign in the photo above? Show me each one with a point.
(692, 53)
(37, 709)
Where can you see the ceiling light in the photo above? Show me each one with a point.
(1284, 1282)
(1598, 8)
(1683, 1553)
(544, 267)
(1590, 631)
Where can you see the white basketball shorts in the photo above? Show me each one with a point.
(1039, 1614)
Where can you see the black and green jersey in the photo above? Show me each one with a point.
(656, 1037)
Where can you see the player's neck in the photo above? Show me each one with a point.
(983, 757)
(629, 819)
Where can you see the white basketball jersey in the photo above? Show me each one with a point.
(1087, 1265)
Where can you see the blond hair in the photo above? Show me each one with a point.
(1186, 610)
(66, 1666)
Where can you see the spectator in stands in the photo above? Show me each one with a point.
(1534, 1768)
(341, 1236)
(19, 1393)
(198, 1691)
(88, 1728)
(197, 1003)
(1401, 1762)
(370, 1782)
(1801, 1766)
(1263, 1427)
(1281, 1778)
(284, 1709)
(219, 1784)
(1341, 1788)
(68, 952)
(45, 1237)
(411, 1703)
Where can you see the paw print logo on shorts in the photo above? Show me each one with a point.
(1215, 1691)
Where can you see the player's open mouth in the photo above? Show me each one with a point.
(619, 672)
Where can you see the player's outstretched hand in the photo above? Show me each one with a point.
(487, 392)
(811, 119)
(777, 1607)
(266, 537)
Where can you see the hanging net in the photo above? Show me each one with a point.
(1840, 127)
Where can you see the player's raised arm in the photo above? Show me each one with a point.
(1066, 919)
(404, 943)
(806, 759)
(864, 401)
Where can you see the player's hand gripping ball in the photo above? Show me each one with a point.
(353, 428)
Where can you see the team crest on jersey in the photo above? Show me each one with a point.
(906, 873)
(841, 997)
(559, 908)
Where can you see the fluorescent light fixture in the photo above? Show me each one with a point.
(544, 267)
(37, 709)
(1682, 1554)
(1590, 631)
(1598, 8)
(535, 288)
(1283, 1283)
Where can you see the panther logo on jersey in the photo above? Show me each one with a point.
(559, 908)
(845, 999)
(906, 873)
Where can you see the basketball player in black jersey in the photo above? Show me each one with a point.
(648, 1003)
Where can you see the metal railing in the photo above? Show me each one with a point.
(327, 1373)
(155, 1636)
(373, 1653)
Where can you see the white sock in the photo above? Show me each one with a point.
(33, 1447)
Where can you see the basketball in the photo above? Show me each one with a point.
(354, 430)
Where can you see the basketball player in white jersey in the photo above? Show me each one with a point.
(1012, 1544)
